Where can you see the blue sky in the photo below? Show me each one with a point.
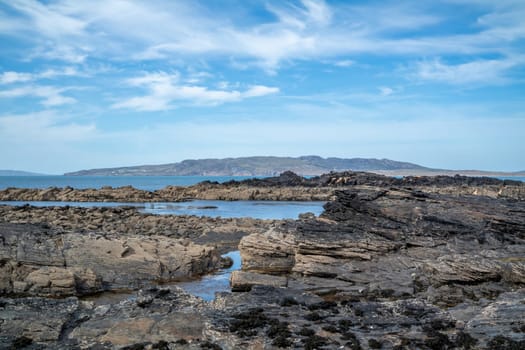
(87, 84)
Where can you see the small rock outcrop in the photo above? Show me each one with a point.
(39, 261)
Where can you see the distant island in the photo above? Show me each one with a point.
(18, 173)
(271, 166)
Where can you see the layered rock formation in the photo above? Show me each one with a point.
(456, 253)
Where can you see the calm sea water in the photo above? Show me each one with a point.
(210, 208)
(149, 183)
(515, 178)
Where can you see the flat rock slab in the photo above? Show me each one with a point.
(37, 261)
(242, 281)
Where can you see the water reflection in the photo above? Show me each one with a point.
(210, 208)
(207, 286)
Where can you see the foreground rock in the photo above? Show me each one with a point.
(39, 261)
(264, 318)
(458, 254)
(286, 187)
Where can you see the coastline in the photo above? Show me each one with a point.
(285, 187)
(417, 262)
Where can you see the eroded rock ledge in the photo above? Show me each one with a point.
(456, 253)
(288, 186)
(36, 260)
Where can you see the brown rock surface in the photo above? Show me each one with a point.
(37, 261)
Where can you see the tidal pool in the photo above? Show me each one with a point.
(208, 285)
(204, 287)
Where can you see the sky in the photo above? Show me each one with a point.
(91, 84)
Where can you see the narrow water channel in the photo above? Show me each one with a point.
(204, 287)
(208, 285)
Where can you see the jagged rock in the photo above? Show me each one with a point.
(396, 242)
(274, 254)
(390, 264)
(503, 317)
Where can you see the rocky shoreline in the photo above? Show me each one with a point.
(222, 233)
(413, 263)
(286, 187)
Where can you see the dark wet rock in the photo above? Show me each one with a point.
(31, 320)
(170, 318)
(390, 243)
(420, 254)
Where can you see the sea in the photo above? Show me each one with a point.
(209, 208)
(149, 183)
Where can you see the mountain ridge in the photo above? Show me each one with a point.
(8, 172)
(271, 166)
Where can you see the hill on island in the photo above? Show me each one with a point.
(18, 173)
(272, 166)
(256, 166)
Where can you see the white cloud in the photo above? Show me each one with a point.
(260, 90)
(164, 89)
(43, 127)
(15, 77)
(73, 31)
(386, 91)
(11, 77)
(344, 63)
(62, 72)
(70, 53)
(479, 71)
(50, 96)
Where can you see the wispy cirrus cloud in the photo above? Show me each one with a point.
(49, 96)
(165, 89)
(15, 77)
(11, 77)
(486, 71)
(43, 127)
(308, 29)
